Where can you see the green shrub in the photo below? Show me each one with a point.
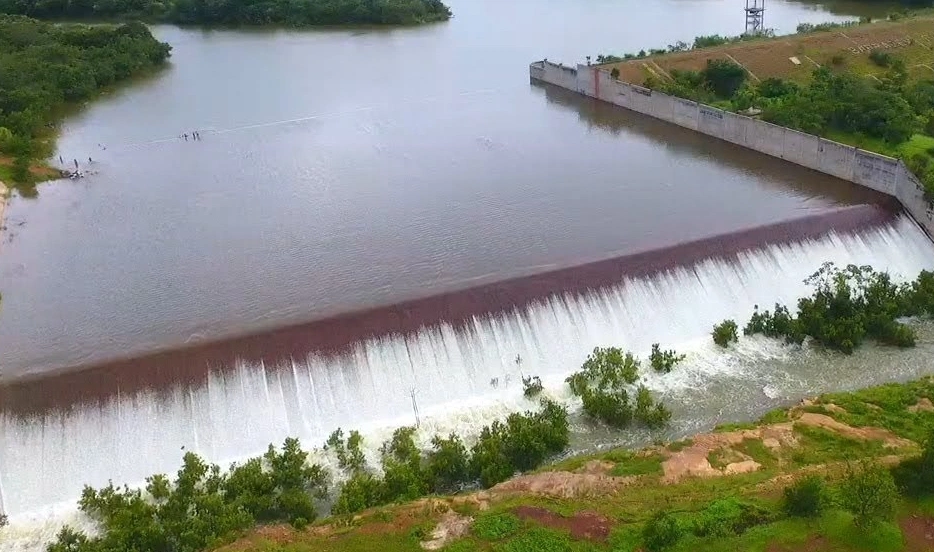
(538, 539)
(870, 494)
(349, 452)
(532, 386)
(653, 415)
(779, 324)
(727, 517)
(723, 77)
(20, 170)
(524, 442)
(915, 476)
(447, 464)
(880, 58)
(363, 490)
(202, 506)
(663, 361)
(805, 497)
(724, 333)
(661, 532)
(604, 383)
(495, 526)
(847, 306)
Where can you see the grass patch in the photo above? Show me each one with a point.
(755, 449)
(538, 539)
(886, 406)
(734, 426)
(918, 144)
(678, 446)
(463, 545)
(819, 446)
(838, 527)
(495, 526)
(638, 465)
(775, 416)
(862, 142)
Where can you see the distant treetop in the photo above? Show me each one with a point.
(292, 13)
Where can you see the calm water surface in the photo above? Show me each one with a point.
(350, 168)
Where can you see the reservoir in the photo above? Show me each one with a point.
(351, 192)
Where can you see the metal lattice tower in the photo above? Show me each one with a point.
(755, 17)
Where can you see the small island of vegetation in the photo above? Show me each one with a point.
(304, 13)
(46, 67)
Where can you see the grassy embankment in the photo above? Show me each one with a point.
(894, 58)
(602, 502)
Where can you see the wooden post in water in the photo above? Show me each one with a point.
(3, 512)
(418, 422)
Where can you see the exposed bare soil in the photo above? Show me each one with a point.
(583, 526)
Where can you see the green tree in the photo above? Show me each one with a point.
(725, 333)
(805, 497)
(661, 532)
(447, 464)
(663, 361)
(604, 384)
(870, 494)
(724, 77)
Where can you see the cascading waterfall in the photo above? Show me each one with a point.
(463, 376)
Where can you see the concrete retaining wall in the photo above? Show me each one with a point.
(878, 172)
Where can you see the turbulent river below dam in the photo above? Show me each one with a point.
(376, 212)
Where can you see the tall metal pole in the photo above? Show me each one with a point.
(418, 422)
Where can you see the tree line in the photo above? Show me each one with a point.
(293, 13)
(204, 506)
(847, 306)
(44, 67)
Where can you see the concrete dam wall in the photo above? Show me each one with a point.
(871, 170)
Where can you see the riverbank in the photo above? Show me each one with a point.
(103, 55)
(250, 13)
(604, 501)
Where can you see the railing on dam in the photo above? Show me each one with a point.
(865, 168)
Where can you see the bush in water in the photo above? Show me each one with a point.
(202, 507)
(604, 383)
(663, 361)
(522, 442)
(847, 306)
(724, 333)
(532, 386)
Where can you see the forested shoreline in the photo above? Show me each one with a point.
(44, 67)
(291, 13)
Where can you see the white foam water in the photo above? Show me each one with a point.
(45, 461)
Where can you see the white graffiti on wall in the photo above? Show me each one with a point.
(884, 45)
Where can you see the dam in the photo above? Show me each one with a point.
(864, 168)
(335, 246)
(57, 434)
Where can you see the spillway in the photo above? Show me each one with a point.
(463, 374)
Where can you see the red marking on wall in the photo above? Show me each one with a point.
(596, 83)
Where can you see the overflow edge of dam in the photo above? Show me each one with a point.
(335, 336)
(870, 170)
